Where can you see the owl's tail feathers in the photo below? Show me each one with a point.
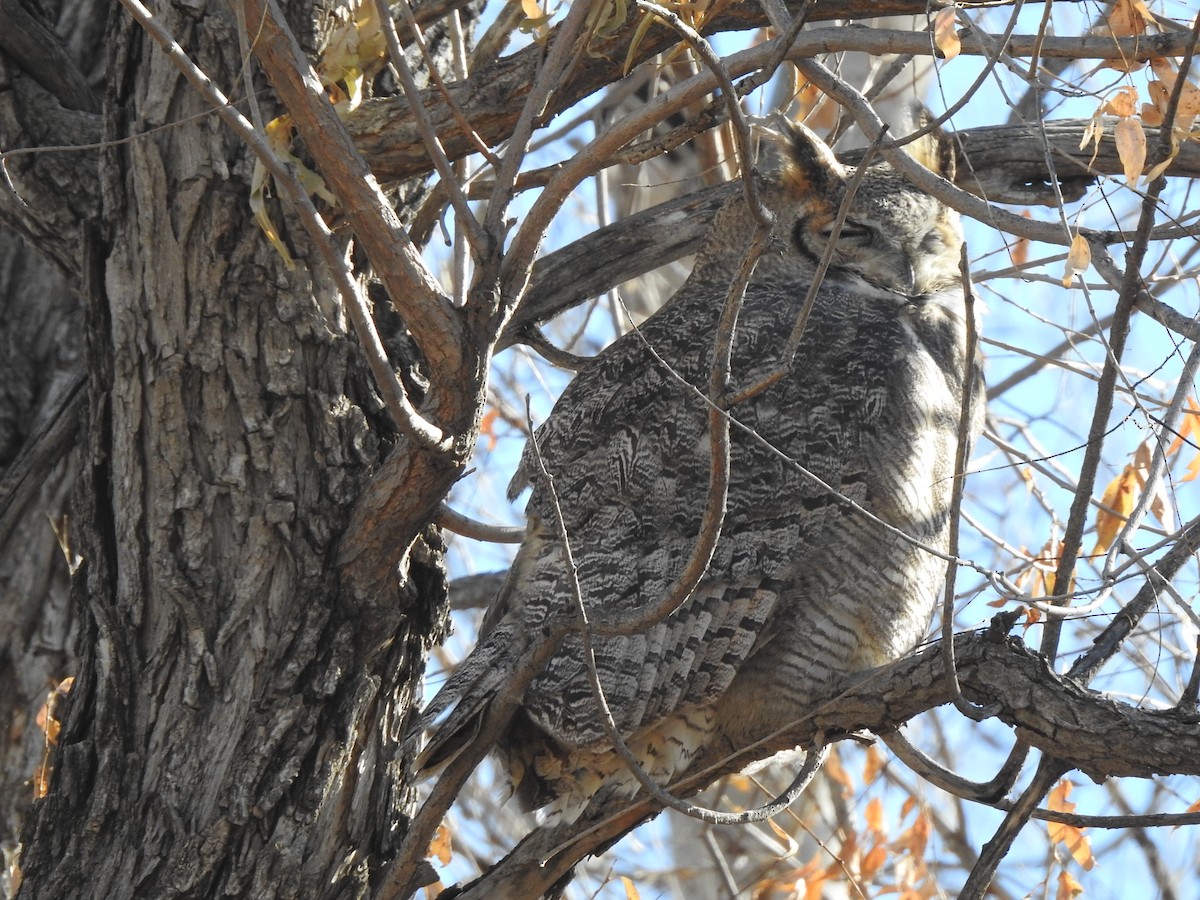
(453, 718)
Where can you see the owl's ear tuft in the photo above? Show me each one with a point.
(935, 150)
(808, 167)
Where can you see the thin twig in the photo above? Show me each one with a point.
(464, 216)
(547, 81)
(961, 451)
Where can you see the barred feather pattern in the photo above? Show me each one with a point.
(804, 588)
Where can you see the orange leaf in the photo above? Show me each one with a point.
(1187, 425)
(631, 892)
(834, 770)
(945, 37)
(487, 426)
(915, 837)
(1119, 497)
(875, 815)
(440, 845)
(873, 861)
(873, 765)
(1079, 257)
(1193, 469)
(1123, 102)
(1020, 250)
(1068, 835)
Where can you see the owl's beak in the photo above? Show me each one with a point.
(908, 276)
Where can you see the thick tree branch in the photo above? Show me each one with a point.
(1002, 164)
(492, 97)
(1082, 728)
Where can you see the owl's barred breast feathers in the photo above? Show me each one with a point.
(804, 588)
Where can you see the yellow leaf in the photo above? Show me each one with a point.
(1079, 257)
(631, 892)
(1119, 496)
(945, 37)
(440, 845)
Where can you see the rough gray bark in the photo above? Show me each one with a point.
(231, 727)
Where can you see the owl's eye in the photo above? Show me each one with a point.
(933, 242)
(851, 231)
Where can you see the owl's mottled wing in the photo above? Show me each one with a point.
(628, 448)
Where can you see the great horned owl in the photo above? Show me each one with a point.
(803, 588)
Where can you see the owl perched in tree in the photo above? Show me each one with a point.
(840, 479)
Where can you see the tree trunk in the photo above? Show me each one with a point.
(233, 723)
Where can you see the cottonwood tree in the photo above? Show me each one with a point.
(239, 380)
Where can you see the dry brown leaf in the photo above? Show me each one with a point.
(1131, 147)
(1160, 503)
(1069, 836)
(1019, 255)
(1068, 887)
(789, 842)
(1189, 98)
(1123, 102)
(1128, 18)
(1079, 257)
(945, 36)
